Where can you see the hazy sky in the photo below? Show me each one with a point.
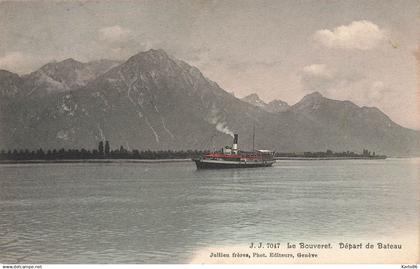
(362, 51)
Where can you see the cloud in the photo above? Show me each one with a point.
(360, 35)
(114, 33)
(317, 77)
(377, 92)
(317, 70)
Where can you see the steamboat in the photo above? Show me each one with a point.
(232, 157)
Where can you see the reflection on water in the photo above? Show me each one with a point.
(159, 213)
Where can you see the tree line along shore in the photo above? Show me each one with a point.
(104, 151)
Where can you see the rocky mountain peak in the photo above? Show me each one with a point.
(62, 66)
(152, 55)
(277, 106)
(254, 99)
(274, 106)
(70, 61)
(315, 96)
(154, 63)
(310, 102)
(66, 75)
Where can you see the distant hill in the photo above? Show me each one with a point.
(154, 101)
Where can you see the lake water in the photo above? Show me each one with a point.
(165, 212)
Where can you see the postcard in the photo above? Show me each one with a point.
(209, 132)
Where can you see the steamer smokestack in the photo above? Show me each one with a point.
(235, 143)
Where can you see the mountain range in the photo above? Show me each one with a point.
(155, 101)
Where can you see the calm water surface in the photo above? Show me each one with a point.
(163, 212)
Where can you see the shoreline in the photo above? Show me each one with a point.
(169, 160)
(328, 158)
(94, 161)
